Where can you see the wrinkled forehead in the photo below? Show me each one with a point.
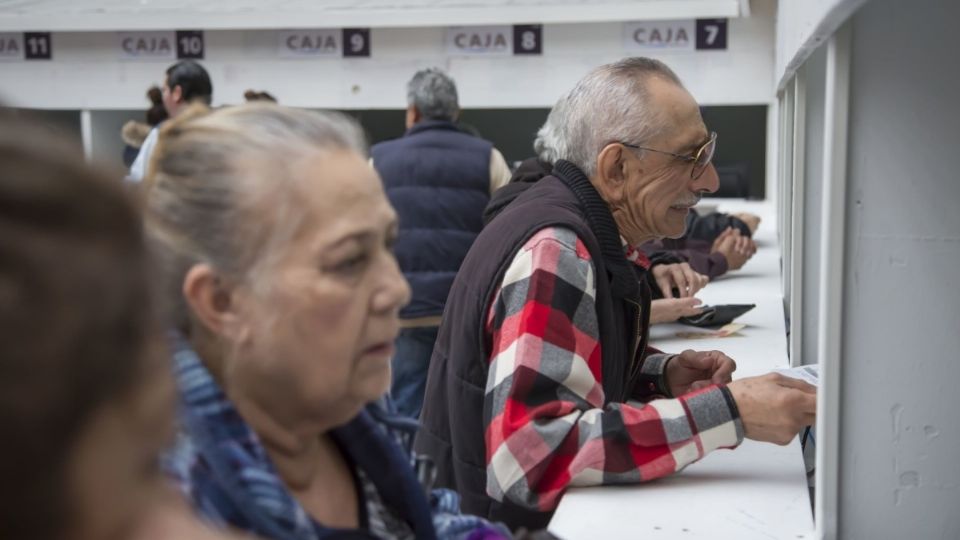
(330, 193)
(680, 113)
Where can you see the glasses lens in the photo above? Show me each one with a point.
(704, 156)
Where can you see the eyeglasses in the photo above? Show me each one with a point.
(700, 159)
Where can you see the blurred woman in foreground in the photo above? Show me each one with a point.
(86, 394)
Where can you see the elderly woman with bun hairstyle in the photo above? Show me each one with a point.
(274, 237)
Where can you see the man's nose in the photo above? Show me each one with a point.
(709, 181)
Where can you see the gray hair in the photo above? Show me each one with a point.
(611, 103)
(222, 189)
(545, 144)
(434, 94)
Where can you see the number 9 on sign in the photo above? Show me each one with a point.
(356, 42)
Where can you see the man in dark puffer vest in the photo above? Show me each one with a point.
(541, 377)
(439, 180)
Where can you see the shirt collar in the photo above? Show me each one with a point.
(635, 254)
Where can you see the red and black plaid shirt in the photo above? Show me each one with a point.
(545, 424)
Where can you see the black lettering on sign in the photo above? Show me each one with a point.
(482, 41)
(318, 44)
(190, 44)
(711, 34)
(9, 46)
(37, 46)
(527, 39)
(356, 42)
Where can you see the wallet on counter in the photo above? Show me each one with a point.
(717, 315)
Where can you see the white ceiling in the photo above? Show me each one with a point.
(104, 15)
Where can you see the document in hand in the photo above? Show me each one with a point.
(810, 374)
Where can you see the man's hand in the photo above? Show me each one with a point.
(692, 370)
(679, 276)
(773, 407)
(670, 309)
(735, 247)
(752, 220)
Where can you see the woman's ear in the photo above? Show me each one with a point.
(611, 176)
(212, 301)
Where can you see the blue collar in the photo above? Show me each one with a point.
(425, 125)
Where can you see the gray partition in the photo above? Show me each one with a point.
(899, 427)
(814, 74)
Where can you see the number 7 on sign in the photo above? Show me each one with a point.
(711, 34)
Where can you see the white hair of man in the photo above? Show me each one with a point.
(434, 94)
(545, 144)
(610, 104)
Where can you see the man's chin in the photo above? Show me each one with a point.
(676, 223)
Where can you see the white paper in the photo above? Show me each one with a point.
(809, 374)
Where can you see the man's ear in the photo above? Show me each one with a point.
(413, 116)
(211, 301)
(176, 93)
(611, 176)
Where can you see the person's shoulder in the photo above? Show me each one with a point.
(382, 144)
(558, 237)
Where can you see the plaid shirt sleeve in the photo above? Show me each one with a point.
(546, 426)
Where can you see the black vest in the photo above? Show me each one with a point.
(452, 431)
(438, 180)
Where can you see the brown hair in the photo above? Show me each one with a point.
(75, 318)
(157, 112)
(253, 95)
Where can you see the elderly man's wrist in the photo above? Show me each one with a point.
(715, 416)
(653, 375)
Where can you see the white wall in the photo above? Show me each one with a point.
(899, 431)
(102, 15)
(87, 74)
(802, 27)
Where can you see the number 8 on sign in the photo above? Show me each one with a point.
(527, 39)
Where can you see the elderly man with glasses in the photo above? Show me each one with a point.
(541, 377)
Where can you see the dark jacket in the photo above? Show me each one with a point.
(452, 431)
(693, 247)
(531, 171)
(707, 227)
(696, 253)
(438, 180)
